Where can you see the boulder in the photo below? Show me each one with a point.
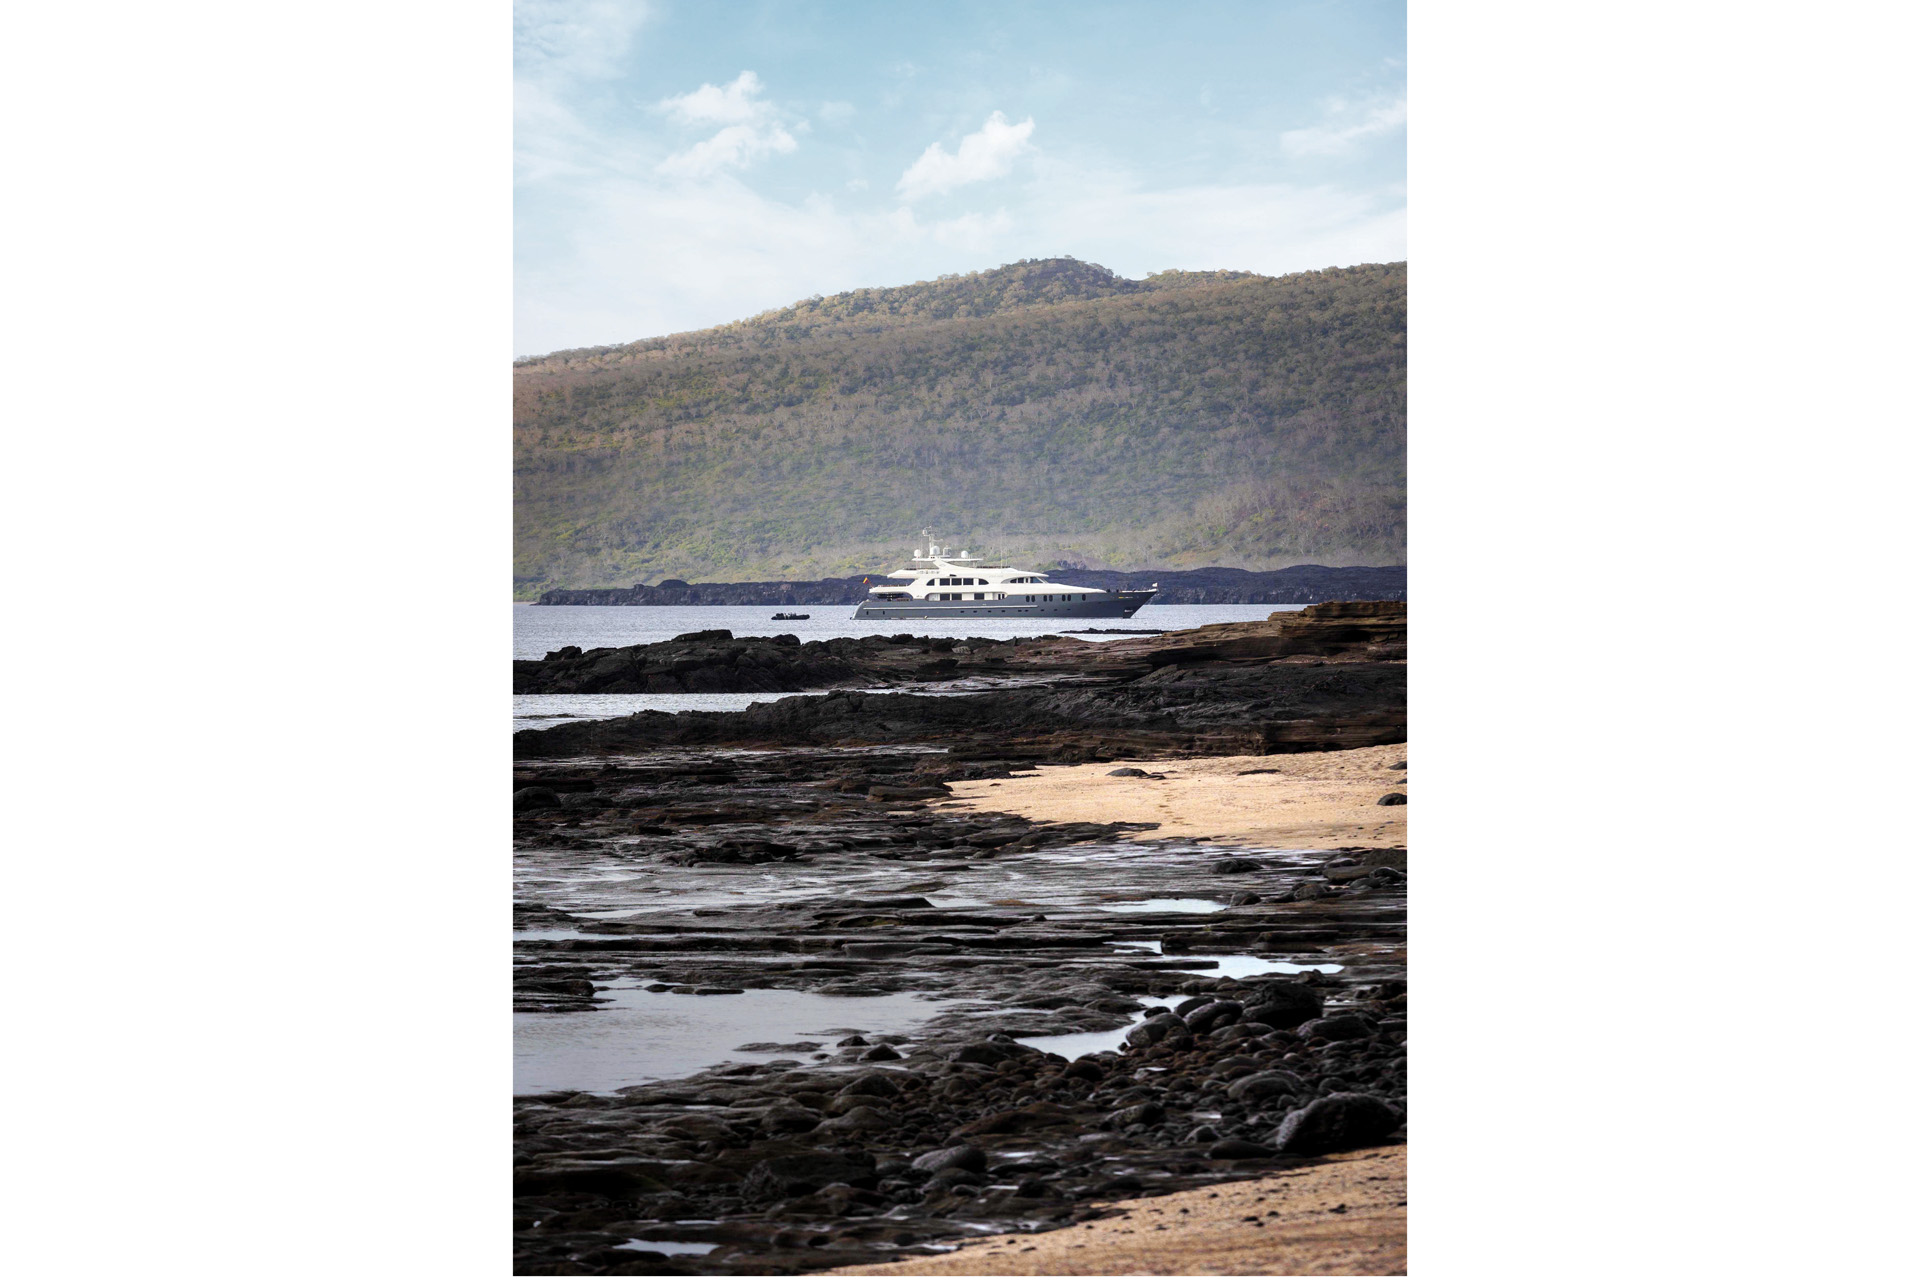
(861, 1119)
(788, 1118)
(1154, 1030)
(1216, 1013)
(1257, 1088)
(1144, 1113)
(1127, 773)
(1233, 866)
(1393, 797)
(875, 1084)
(1337, 1122)
(786, 1176)
(1238, 1149)
(530, 799)
(1283, 1005)
(1035, 1115)
(987, 1053)
(965, 1156)
(1341, 1026)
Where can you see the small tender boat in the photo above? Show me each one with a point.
(941, 584)
(791, 617)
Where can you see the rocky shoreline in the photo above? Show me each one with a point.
(717, 661)
(801, 847)
(1297, 584)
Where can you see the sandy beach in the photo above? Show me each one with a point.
(1345, 1216)
(1313, 800)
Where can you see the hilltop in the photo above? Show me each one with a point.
(1050, 410)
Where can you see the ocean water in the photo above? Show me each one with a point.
(540, 629)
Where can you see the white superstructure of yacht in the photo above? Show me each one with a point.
(942, 584)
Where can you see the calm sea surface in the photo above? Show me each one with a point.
(540, 629)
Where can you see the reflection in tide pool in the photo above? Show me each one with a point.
(671, 1248)
(545, 710)
(1255, 966)
(1081, 1043)
(1195, 905)
(640, 1036)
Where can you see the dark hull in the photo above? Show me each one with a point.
(1122, 604)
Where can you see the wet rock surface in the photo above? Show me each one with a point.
(809, 871)
(1213, 708)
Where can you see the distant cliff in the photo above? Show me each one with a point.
(1299, 584)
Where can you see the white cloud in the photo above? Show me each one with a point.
(1345, 125)
(990, 153)
(736, 103)
(836, 112)
(751, 128)
(734, 147)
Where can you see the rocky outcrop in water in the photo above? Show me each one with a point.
(720, 662)
(1298, 584)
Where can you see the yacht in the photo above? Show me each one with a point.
(941, 584)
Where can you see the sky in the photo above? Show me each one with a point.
(683, 163)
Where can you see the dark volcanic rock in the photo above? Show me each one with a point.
(1216, 1013)
(1262, 1085)
(1154, 1029)
(1216, 709)
(964, 1156)
(1237, 1149)
(798, 1175)
(1341, 1026)
(858, 1119)
(874, 1084)
(1143, 1113)
(1337, 1122)
(528, 799)
(1392, 797)
(1283, 1004)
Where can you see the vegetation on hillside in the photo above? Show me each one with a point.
(1048, 409)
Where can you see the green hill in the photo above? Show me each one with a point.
(1049, 410)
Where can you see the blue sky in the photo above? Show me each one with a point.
(682, 164)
